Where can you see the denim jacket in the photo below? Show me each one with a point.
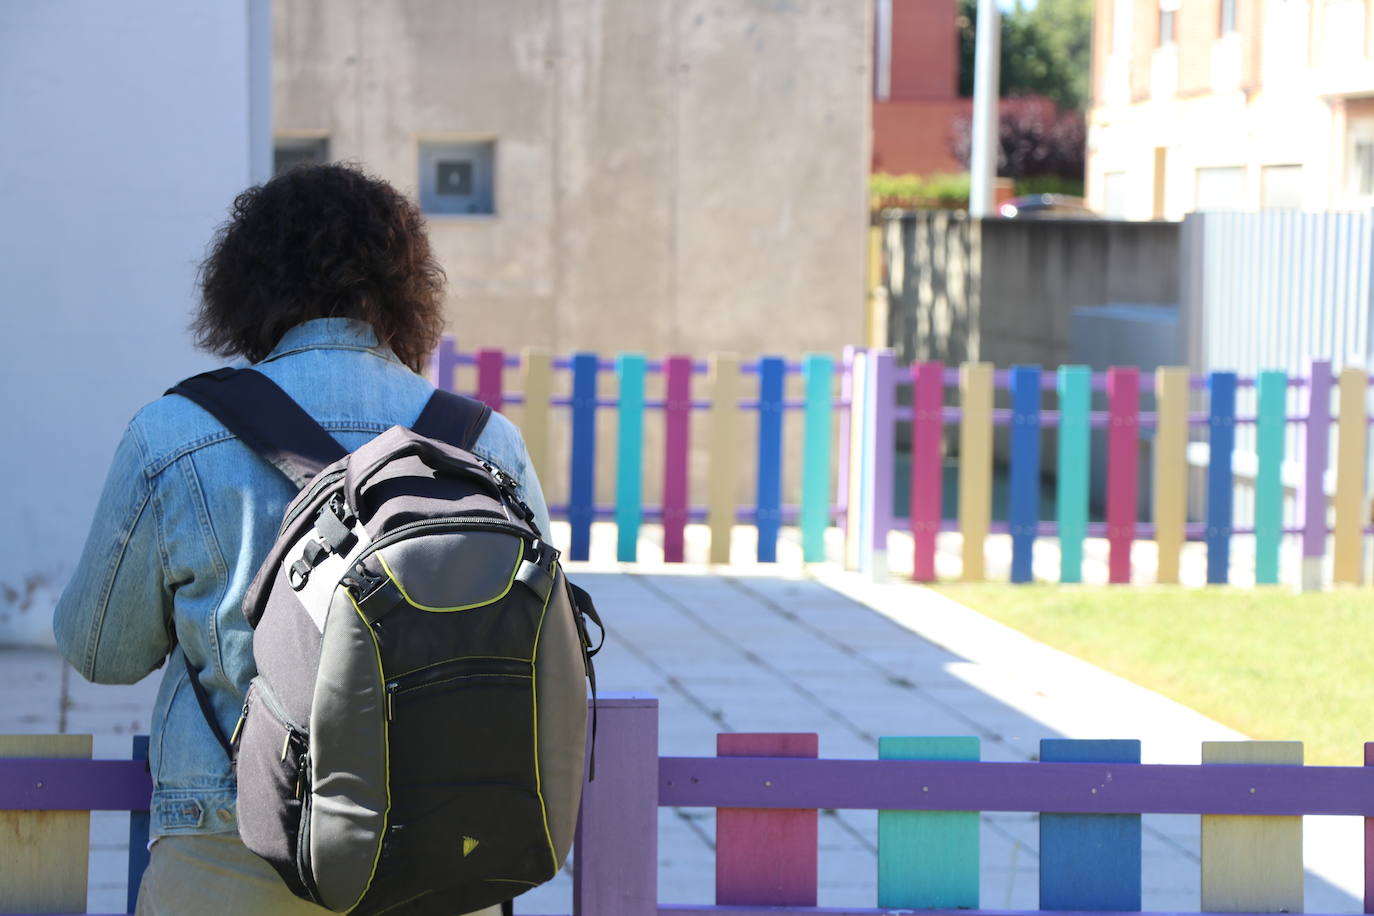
(187, 515)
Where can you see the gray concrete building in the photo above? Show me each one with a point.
(654, 175)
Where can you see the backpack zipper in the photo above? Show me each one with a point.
(456, 668)
(411, 528)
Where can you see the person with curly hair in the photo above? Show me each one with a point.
(323, 280)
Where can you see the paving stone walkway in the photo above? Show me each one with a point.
(779, 648)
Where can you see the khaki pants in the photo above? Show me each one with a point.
(216, 874)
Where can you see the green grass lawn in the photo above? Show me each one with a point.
(1264, 661)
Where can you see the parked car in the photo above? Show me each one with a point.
(1047, 206)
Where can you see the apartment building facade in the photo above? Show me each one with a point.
(1231, 105)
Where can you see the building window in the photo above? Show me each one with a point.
(1281, 187)
(1166, 26)
(1228, 17)
(458, 177)
(1114, 195)
(1221, 188)
(293, 151)
(1362, 168)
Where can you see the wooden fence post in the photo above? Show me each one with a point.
(45, 853)
(929, 858)
(766, 856)
(1252, 864)
(615, 869)
(1089, 861)
(139, 824)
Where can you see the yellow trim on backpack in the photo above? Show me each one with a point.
(510, 583)
(534, 698)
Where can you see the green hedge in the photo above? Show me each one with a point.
(951, 192)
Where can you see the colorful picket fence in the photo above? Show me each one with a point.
(767, 789)
(1173, 423)
(850, 437)
(929, 791)
(728, 402)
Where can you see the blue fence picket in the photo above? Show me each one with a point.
(769, 502)
(1221, 425)
(581, 493)
(1023, 511)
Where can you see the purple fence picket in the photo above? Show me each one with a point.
(677, 414)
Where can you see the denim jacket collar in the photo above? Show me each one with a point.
(330, 333)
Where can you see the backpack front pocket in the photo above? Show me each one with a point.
(273, 771)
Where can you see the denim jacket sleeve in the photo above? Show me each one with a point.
(114, 619)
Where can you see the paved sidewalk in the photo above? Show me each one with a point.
(782, 648)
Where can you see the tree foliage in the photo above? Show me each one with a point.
(1034, 139)
(1046, 50)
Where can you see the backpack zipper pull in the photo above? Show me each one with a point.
(391, 700)
(238, 727)
(300, 773)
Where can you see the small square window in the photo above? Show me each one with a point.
(1228, 16)
(458, 177)
(292, 151)
(1166, 27)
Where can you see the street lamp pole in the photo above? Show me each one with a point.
(986, 71)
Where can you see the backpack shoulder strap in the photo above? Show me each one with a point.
(452, 418)
(266, 419)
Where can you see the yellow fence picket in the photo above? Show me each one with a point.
(975, 465)
(723, 461)
(1171, 467)
(1353, 424)
(536, 366)
(1252, 864)
(44, 852)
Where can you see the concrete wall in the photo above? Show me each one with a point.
(672, 175)
(1004, 291)
(128, 129)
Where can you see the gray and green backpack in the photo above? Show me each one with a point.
(415, 737)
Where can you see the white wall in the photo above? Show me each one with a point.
(126, 128)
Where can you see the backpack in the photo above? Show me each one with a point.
(414, 740)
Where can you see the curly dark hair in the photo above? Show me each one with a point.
(320, 241)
